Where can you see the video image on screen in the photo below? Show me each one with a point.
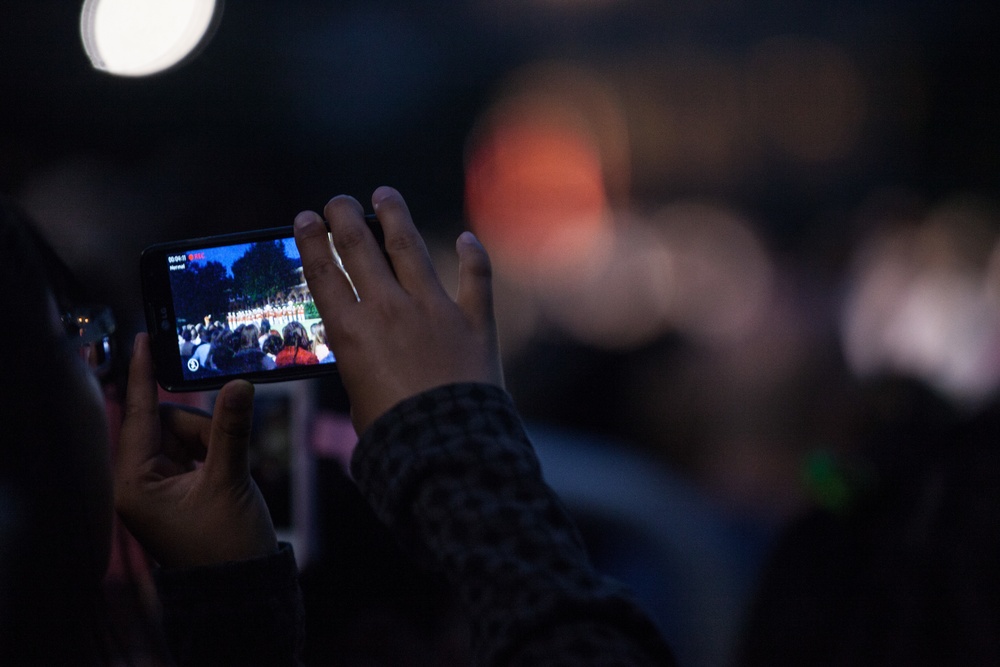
(244, 308)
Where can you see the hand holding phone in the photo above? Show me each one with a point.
(394, 328)
(186, 515)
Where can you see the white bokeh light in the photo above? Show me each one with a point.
(142, 37)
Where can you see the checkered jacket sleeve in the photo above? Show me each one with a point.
(453, 474)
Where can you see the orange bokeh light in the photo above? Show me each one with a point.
(535, 191)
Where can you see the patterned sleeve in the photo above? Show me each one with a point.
(453, 474)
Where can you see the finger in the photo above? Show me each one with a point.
(363, 259)
(186, 433)
(329, 286)
(140, 433)
(227, 459)
(475, 281)
(475, 299)
(403, 243)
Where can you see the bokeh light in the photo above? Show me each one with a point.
(722, 273)
(142, 37)
(535, 193)
(548, 190)
(537, 184)
(619, 302)
(922, 304)
(693, 268)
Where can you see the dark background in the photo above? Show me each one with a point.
(293, 102)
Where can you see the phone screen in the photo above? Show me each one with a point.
(232, 306)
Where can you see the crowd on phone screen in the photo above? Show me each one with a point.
(252, 347)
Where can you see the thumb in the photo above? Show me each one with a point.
(229, 441)
(140, 433)
(475, 281)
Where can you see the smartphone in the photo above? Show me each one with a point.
(233, 306)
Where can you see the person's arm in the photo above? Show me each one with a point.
(443, 458)
(183, 489)
(452, 472)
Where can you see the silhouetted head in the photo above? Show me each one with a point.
(295, 335)
(55, 479)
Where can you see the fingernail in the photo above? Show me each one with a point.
(469, 238)
(381, 194)
(306, 219)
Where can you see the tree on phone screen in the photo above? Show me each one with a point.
(263, 271)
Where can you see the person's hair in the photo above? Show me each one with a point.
(319, 334)
(224, 350)
(273, 343)
(249, 337)
(186, 334)
(295, 335)
(265, 326)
